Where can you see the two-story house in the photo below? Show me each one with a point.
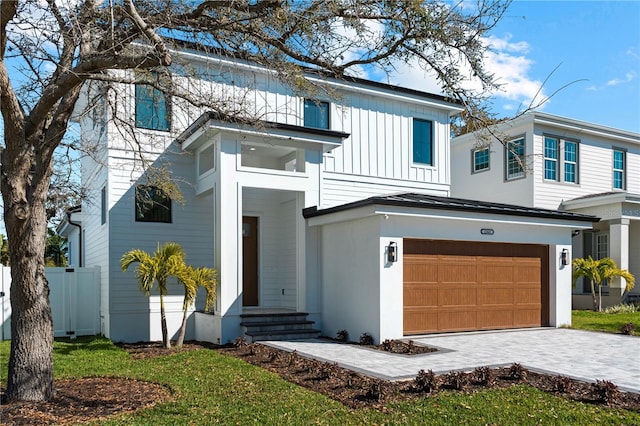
(555, 162)
(336, 206)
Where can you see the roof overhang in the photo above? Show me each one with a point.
(210, 123)
(421, 205)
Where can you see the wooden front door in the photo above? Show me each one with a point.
(249, 261)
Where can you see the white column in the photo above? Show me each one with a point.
(619, 249)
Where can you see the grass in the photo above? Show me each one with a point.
(211, 388)
(601, 321)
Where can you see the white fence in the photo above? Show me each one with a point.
(75, 301)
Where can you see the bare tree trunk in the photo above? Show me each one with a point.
(183, 328)
(599, 298)
(593, 296)
(30, 376)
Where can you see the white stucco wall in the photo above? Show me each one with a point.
(362, 292)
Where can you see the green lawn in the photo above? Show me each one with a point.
(211, 388)
(601, 321)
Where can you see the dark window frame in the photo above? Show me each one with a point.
(474, 162)
(510, 158)
(149, 104)
(152, 205)
(622, 171)
(317, 114)
(420, 155)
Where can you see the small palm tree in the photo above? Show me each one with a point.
(599, 272)
(166, 261)
(196, 277)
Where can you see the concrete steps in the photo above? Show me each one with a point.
(260, 326)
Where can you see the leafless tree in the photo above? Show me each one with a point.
(51, 49)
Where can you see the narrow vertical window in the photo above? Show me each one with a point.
(153, 108)
(103, 205)
(515, 159)
(480, 159)
(571, 162)
(316, 114)
(550, 158)
(422, 141)
(619, 174)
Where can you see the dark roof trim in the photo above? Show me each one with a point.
(214, 116)
(423, 201)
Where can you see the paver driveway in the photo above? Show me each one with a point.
(583, 355)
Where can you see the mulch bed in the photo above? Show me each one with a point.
(96, 398)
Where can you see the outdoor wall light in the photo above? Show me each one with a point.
(392, 252)
(564, 257)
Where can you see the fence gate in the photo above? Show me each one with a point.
(75, 301)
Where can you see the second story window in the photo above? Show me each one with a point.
(619, 172)
(422, 141)
(551, 158)
(153, 108)
(571, 162)
(316, 114)
(480, 159)
(560, 160)
(152, 205)
(515, 159)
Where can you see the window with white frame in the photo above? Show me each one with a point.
(560, 160)
(619, 169)
(481, 159)
(515, 159)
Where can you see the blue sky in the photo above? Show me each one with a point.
(595, 46)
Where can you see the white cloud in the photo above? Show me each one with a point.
(504, 58)
(628, 77)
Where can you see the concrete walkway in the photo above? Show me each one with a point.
(583, 355)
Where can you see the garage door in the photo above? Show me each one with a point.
(462, 286)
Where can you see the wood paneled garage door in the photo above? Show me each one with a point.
(461, 286)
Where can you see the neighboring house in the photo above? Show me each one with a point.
(70, 227)
(568, 165)
(295, 212)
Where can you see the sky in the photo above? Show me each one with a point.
(584, 53)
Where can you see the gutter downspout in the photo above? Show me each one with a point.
(79, 238)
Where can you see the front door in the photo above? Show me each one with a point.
(249, 261)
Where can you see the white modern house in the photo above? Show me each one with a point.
(333, 211)
(554, 162)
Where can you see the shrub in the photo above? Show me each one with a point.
(342, 336)
(622, 308)
(425, 381)
(366, 339)
(517, 372)
(628, 328)
(456, 380)
(240, 342)
(605, 391)
(387, 345)
(377, 390)
(483, 375)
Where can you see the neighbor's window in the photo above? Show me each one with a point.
(619, 174)
(515, 158)
(316, 114)
(422, 141)
(152, 205)
(153, 108)
(570, 162)
(551, 158)
(480, 160)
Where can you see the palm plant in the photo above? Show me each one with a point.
(599, 272)
(194, 278)
(167, 261)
